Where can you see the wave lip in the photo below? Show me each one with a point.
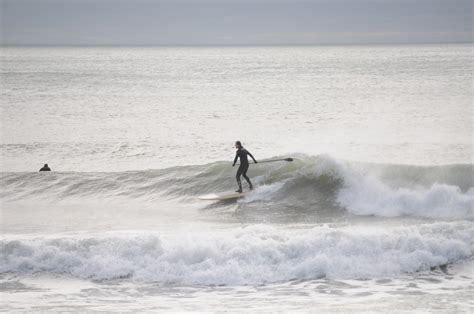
(251, 255)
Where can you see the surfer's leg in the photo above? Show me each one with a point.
(244, 174)
(237, 176)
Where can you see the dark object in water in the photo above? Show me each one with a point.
(45, 168)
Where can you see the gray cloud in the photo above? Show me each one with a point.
(189, 22)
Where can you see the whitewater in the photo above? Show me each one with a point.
(374, 213)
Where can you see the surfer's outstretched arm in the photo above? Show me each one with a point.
(255, 161)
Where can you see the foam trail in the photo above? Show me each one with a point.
(263, 193)
(252, 255)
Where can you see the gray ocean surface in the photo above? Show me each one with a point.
(374, 214)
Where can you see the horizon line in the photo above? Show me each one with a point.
(231, 45)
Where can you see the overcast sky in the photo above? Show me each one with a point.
(233, 22)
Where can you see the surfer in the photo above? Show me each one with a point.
(244, 165)
(45, 168)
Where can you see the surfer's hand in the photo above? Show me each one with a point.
(233, 165)
(255, 162)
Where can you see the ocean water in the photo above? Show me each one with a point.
(373, 214)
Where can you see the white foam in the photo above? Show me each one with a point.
(252, 255)
(263, 192)
(368, 195)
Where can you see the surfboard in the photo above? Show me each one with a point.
(223, 196)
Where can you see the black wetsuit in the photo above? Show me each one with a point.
(244, 165)
(45, 168)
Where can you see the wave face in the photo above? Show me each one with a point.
(252, 255)
(310, 184)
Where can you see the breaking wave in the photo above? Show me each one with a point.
(310, 182)
(252, 255)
